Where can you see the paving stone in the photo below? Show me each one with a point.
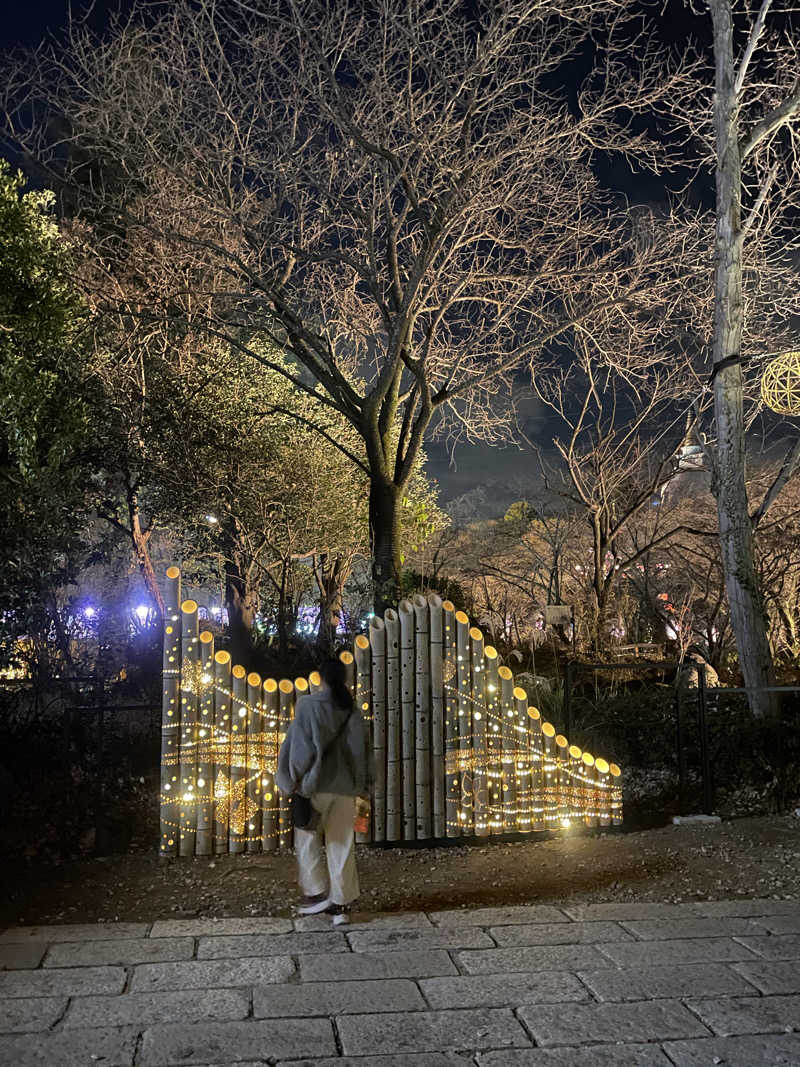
(69, 982)
(335, 998)
(588, 1024)
(108, 1048)
(774, 946)
(365, 966)
(402, 920)
(560, 934)
(78, 932)
(364, 1035)
(451, 937)
(751, 908)
(600, 1056)
(502, 990)
(685, 950)
(231, 1042)
(211, 974)
(590, 912)
(771, 977)
(147, 1009)
(21, 957)
(533, 958)
(139, 950)
(421, 1059)
(219, 927)
(674, 929)
(665, 980)
(781, 924)
(519, 913)
(748, 1015)
(761, 1051)
(22, 1016)
(215, 948)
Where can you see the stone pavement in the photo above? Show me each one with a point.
(626, 984)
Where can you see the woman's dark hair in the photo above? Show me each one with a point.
(333, 673)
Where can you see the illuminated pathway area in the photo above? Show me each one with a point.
(622, 984)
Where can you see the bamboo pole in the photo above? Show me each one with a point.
(377, 642)
(589, 787)
(238, 776)
(438, 773)
(222, 750)
(170, 716)
(537, 786)
(394, 751)
(269, 795)
(407, 689)
(348, 660)
(550, 794)
(522, 776)
(479, 720)
(449, 676)
(509, 777)
(363, 700)
(603, 807)
(494, 742)
(577, 795)
(204, 842)
(466, 812)
(562, 780)
(286, 709)
(255, 762)
(314, 682)
(189, 699)
(422, 721)
(616, 794)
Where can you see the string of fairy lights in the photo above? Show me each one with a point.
(504, 769)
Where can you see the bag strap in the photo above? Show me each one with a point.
(339, 731)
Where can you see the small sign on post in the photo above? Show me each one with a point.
(558, 614)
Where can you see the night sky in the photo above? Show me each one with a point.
(505, 471)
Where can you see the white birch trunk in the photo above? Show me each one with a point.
(189, 700)
(170, 716)
(255, 762)
(407, 688)
(222, 749)
(479, 713)
(422, 716)
(270, 803)
(438, 773)
(238, 775)
(377, 641)
(450, 681)
(394, 751)
(204, 841)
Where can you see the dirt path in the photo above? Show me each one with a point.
(752, 857)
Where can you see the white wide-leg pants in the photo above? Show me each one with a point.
(338, 877)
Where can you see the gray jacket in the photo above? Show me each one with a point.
(311, 761)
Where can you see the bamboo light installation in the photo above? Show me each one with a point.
(455, 748)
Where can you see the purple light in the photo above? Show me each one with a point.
(141, 612)
(89, 612)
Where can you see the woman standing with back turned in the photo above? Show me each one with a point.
(323, 764)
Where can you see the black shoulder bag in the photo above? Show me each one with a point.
(303, 814)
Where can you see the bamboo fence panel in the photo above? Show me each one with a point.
(455, 749)
(170, 715)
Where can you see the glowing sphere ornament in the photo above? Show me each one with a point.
(780, 384)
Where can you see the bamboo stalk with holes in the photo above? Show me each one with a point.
(494, 741)
(238, 775)
(479, 712)
(450, 684)
(562, 779)
(285, 711)
(577, 795)
(437, 716)
(509, 778)
(522, 776)
(377, 644)
(190, 665)
(363, 699)
(255, 761)
(588, 786)
(394, 750)
(348, 660)
(405, 611)
(550, 783)
(204, 840)
(537, 780)
(314, 682)
(603, 789)
(466, 815)
(269, 793)
(170, 716)
(422, 719)
(222, 750)
(616, 794)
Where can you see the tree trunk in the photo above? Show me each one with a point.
(748, 617)
(331, 577)
(384, 532)
(240, 603)
(141, 546)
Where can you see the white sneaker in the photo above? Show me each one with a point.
(314, 905)
(340, 916)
